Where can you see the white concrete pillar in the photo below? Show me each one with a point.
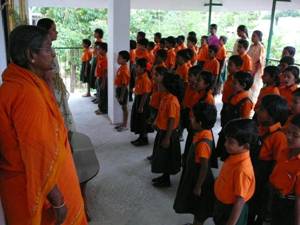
(3, 62)
(118, 40)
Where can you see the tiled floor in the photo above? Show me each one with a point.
(122, 192)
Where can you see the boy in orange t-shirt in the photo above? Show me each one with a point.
(101, 74)
(121, 82)
(86, 65)
(166, 150)
(150, 48)
(235, 184)
(192, 45)
(171, 59)
(212, 64)
(157, 38)
(242, 51)
(182, 64)
(203, 51)
(180, 43)
(221, 55)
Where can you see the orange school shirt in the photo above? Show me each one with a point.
(101, 66)
(274, 145)
(180, 47)
(286, 176)
(194, 58)
(171, 58)
(169, 108)
(236, 179)
(202, 149)
(287, 93)
(247, 105)
(151, 57)
(156, 48)
(143, 84)
(207, 97)
(227, 89)
(191, 97)
(203, 53)
(142, 53)
(156, 98)
(183, 71)
(86, 55)
(247, 63)
(221, 54)
(269, 90)
(212, 65)
(123, 76)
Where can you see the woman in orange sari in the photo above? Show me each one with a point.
(38, 181)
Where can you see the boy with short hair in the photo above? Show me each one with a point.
(235, 184)
(212, 64)
(171, 59)
(203, 51)
(242, 51)
(121, 82)
(180, 43)
(101, 74)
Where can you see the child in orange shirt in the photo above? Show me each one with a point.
(140, 109)
(101, 74)
(284, 63)
(239, 106)
(180, 43)
(192, 45)
(121, 82)
(203, 51)
(166, 151)
(235, 184)
(221, 55)
(242, 51)
(141, 50)
(195, 192)
(86, 65)
(171, 59)
(157, 38)
(291, 78)
(271, 115)
(150, 48)
(212, 64)
(271, 82)
(182, 64)
(285, 180)
(132, 68)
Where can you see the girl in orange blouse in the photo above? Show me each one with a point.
(166, 151)
(195, 192)
(140, 109)
(291, 79)
(86, 65)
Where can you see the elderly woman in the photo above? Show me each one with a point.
(38, 181)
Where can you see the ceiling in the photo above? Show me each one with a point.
(228, 5)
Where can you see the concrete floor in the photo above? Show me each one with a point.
(122, 192)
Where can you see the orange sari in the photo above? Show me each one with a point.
(34, 153)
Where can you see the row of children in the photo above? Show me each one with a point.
(255, 173)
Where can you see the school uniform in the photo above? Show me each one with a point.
(203, 54)
(190, 102)
(180, 47)
(194, 58)
(236, 179)
(92, 75)
(122, 80)
(287, 93)
(239, 106)
(227, 89)
(183, 71)
(268, 90)
(101, 73)
(285, 179)
(273, 149)
(247, 63)
(141, 53)
(171, 58)
(132, 73)
(156, 48)
(167, 161)
(138, 122)
(186, 202)
(85, 65)
(213, 66)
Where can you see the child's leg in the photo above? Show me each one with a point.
(125, 115)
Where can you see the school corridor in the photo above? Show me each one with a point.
(122, 192)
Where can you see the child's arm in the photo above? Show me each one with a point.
(202, 176)
(297, 212)
(236, 211)
(104, 80)
(166, 141)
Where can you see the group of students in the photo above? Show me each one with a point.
(174, 88)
